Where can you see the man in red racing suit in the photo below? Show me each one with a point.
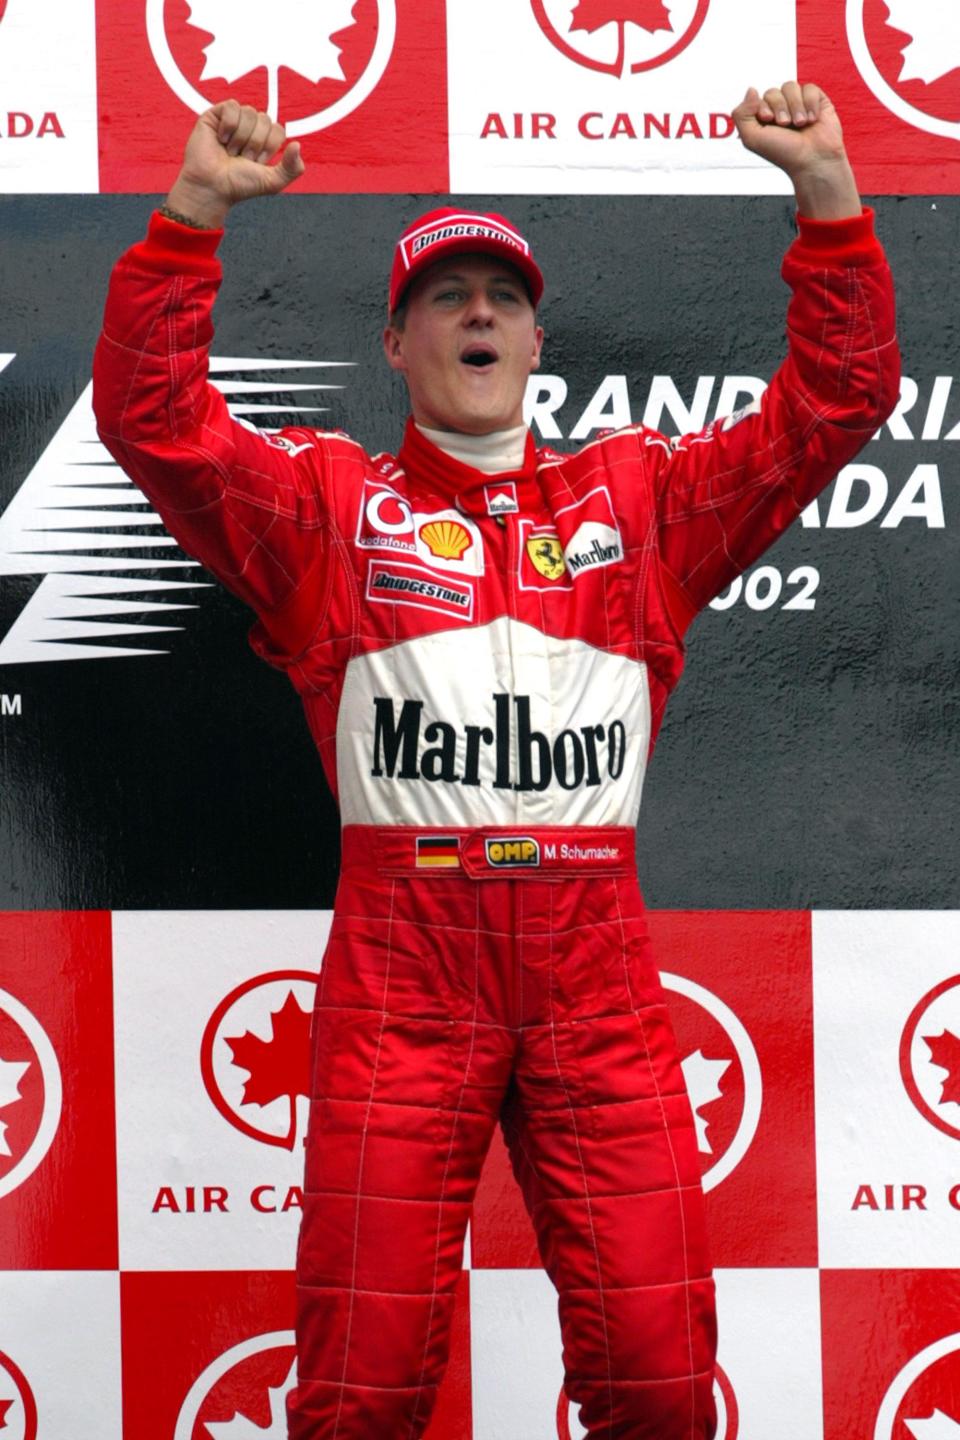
(484, 640)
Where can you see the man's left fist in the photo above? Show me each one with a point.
(794, 126)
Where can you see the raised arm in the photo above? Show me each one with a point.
(726, 494)
(248, 506)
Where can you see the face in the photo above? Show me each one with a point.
(468, 344)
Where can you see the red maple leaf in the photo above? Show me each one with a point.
(650, 15)
(278, 1067)
(945, 1054)
(4, 1404)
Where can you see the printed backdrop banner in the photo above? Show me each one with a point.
(192, 1325)
(149, 760)
(512, 96)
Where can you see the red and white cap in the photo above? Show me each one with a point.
(456, 232)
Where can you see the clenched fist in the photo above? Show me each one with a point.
(231, 155)
(796, 127)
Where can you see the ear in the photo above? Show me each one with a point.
(537, 347)
(393, 348)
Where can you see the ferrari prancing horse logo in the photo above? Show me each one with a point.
(546, 556)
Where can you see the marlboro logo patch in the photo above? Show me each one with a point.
(437, 852)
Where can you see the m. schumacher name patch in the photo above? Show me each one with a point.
(394, 584)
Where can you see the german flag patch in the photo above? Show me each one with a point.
(436, 852)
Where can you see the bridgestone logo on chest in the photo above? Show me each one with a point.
(406, 749)
(404, 585)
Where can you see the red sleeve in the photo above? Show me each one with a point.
(726, 494)
(241, 503)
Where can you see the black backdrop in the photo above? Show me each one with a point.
(808, 759)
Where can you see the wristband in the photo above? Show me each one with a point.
(181, 219)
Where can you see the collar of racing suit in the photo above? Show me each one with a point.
(466, 485)
(502, 450)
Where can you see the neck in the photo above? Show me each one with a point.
(499, 451)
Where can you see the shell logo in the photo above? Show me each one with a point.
(446, 539)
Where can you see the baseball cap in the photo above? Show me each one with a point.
(449, 231)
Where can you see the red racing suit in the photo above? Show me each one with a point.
(484, 664)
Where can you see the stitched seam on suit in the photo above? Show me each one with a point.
(583, 1172)
(446, 1170)
(673, 1158)
(363, 1147)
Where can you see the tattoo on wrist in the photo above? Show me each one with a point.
(182, 219)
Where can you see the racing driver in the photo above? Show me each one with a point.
(484, 636)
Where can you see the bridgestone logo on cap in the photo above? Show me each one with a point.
(449, 232)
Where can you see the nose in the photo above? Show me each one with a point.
(479, 309)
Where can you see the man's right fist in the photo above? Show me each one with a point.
(228, 159)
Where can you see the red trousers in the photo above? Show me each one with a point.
(448, 1002)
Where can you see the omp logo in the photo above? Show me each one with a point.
(18, 1407)
(621, 37)
(924, 1400)
(103, 566)
(908, 53)
(31, 1093)
(331, 58)
(930, 1056)
(512, 853)
(243, 1392)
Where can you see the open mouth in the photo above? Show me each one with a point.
(479, 356)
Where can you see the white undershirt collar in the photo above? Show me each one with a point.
(493, 454)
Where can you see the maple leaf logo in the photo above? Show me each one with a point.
(591, 15)
(11, 1073)
(945, 1055)
(240, 1428)
(279, 1067)
(936, 1427)
(299, 36)
(4, 1404)
(702, 1078)
(934, 30)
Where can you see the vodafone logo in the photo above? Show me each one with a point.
(310, 67)
(728, 1414)
(18, 1408)
(31, 1093)
(255, 1056)
(930, 1056)
(722, 1074)
(621, 37)
(908, 53)
(923, 1403)
(444, 539)
(243, 1392)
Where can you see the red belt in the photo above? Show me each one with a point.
(491, 852)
